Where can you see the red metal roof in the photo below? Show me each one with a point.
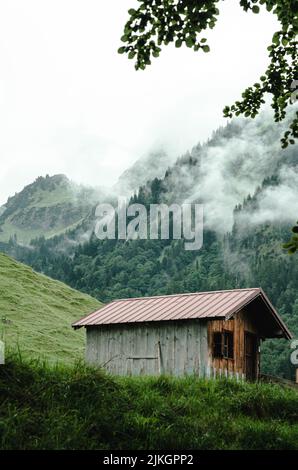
(213, 304)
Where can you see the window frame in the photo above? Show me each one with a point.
(229, 345)
(223, 349)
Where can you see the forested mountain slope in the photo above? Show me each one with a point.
(249, 189)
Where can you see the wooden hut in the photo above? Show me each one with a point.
(204, 333)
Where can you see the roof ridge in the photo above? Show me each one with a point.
(186, 293)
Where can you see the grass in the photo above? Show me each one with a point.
(79, 407)
(26, 235)
(36, 313)
(47, 198)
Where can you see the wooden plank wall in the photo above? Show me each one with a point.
(175, 348)
(239, 325)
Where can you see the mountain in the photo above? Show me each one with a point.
(153, 165)
(54, 205)
(249, 188)
(235, 161)
(49, 206)
(37, 312)
(245, 257)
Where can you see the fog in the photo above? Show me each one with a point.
(231, 167)
(70, 104)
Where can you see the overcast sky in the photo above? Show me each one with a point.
(70, 104)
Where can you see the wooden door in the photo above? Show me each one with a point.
(251, 356)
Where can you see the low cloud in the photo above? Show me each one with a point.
(235, 163)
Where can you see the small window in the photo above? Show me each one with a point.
(223, 345)
(217, 345)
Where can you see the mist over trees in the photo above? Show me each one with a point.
(245, 226)
(161, 22)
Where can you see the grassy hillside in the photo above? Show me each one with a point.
(86, 409)
(36, 313)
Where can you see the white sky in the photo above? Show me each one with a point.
(70, 104)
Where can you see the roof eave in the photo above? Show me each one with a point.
(77, 324)
(286, 332)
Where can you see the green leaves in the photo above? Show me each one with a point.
(162, 22)
(292, 245)
(189, 41)
(181, 22)
(275, 39)
(178, 43)
(278, 78)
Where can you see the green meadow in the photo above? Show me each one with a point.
(36, 313)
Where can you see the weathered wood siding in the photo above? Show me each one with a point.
(175, 348)
(239, 325)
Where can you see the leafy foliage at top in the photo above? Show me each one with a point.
(160, 22)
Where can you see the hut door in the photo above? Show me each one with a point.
(251, 348)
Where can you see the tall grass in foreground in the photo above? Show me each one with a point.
(78, 407)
